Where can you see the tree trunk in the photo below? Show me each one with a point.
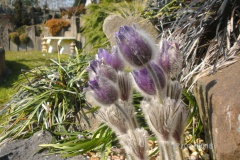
(2, 62)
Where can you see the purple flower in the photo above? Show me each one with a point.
(112, 59)
(107, 72)
(104, 55)
(102, 70)
(103, 91)
(145, 81)
(116, 61)
(135, 49)
(163, 55)
(93, 65)
(170, 57)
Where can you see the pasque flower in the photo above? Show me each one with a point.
(135, 48)
(112, 59)
(144, 79)
(103, 91)
(169, 57)
(162, 106)
(114, 119)
(165, 120)
(135, 143)
(100, 69)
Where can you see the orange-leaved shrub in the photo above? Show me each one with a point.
(55, 25)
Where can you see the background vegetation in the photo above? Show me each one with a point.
(56, 25)
(95, 15)
(18, 63)
(14, 37)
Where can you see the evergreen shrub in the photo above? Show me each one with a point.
(24, 39)
(14, 37)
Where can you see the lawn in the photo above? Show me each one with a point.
(18, 61)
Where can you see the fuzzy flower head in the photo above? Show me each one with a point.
(169, 57)
(100, 69)
(103, 77)
(135, 48)
(103, 91)
(112, 59)
(166, 120)
(114, 119)
(135, 143)
(144, 80)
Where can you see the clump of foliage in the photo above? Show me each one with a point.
(49, 97)
(19, 36)
(14, 37)
(167, 11)
(55, 25)
(16, 65)
(24, 39)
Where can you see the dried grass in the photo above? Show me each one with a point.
(209, 36)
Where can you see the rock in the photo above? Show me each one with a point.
(218, 99)
(89, 122)
(112, 23)
(27, 149)
(3, 67)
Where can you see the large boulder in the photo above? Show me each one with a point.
(3, 67)
(112, 23)
(218, 97)
(28, 149)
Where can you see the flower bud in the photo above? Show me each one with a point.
(100, 69)
(112, 59)
(135, 143)
(104, 55)
(170, 57)
(104, 91)
(144, 79)
(163, 55)
(107, 72)
(116, 61)
(134, 48)
(125, 86)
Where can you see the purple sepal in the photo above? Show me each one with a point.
(104, 91)
(144, 80)
(133, 47)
